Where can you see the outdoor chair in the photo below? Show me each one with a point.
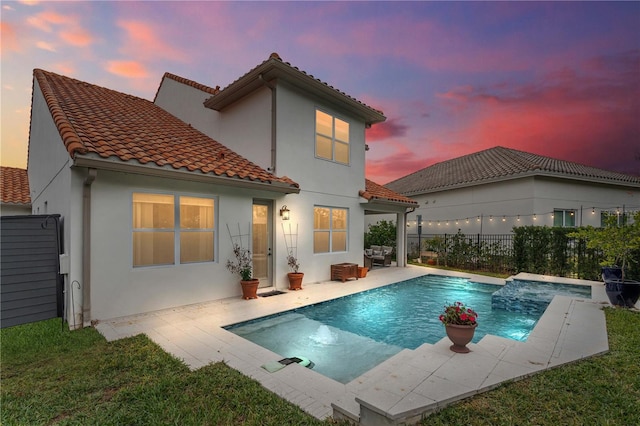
(377, 255)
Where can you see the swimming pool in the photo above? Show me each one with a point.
(348, 336)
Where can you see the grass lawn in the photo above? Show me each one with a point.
(51, 376)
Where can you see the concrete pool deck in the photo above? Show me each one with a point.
(401, 390)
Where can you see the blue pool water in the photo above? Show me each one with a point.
(348, 336)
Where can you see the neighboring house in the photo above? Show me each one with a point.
(14, 186)
(491, 191)
(152, 193)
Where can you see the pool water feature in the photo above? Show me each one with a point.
(533, 296)
(348, 336)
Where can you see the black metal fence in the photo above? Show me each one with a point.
(558, 254)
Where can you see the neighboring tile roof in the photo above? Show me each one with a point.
(114, 125)
(500, 163)
(375, 192)
(14, 186)
(275, 67)
(186, 81)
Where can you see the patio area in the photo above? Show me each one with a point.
(402, 389)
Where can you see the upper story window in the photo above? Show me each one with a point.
(564, 218)
(332, 138)
(329, 229)
(167, 227)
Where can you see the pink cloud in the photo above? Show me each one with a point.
(77, 37)
(9, 38)
(577, 116)
(45, 21)
(130, 69)
(144, 42)
(388, 129)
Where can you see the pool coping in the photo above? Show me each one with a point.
(404, 388)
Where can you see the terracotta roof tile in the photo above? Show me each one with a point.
(373, 191)
(499, 163)
(95, 120)
(14, 186)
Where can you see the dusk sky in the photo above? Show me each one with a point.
(452, 78)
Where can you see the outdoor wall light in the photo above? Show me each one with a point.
(284, 213)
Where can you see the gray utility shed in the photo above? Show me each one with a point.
(31, 286)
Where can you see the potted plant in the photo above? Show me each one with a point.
(242, 265)
(295, 277)
(460, 324)
(617, 242)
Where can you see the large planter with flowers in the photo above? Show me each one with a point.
(460, 325)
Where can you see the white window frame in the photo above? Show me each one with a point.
(565, 213)
(331, 229)
(334, 139)
(176, 227)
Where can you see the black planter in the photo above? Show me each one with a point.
(610, 273)
(623, 293)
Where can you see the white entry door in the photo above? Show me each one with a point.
(262, 242)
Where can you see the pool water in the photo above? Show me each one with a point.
(348, 336)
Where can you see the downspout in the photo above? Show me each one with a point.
(272, 86)
(404, 233)
(86, 247)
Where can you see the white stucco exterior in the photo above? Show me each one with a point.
(95, 201)
(494, 208)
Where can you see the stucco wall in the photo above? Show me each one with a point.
(187, 103)
(524, 197)
(245, 127)
(117, 288)
(53, 191)
(14, 210)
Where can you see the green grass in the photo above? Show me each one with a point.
(604, 390)
(50, 376)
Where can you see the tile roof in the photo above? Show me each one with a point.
(96, 121)
(14, 186)
(500, 163)
(375, 192)
(274, 68)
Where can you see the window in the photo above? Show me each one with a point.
(606, 218)
(332, 138)
(564, 218)
(168, 227)
(329, 229)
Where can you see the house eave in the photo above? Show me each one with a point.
(182, 174)
(587, 179)
(275, 69)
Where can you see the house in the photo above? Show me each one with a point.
(155, 194)
(14, 189)
(491, 191)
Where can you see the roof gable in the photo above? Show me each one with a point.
(101, 123)
(275, 68)
(500, 163)
(187, 82)
(14, 186)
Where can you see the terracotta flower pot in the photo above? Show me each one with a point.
(460, 335)
(362, 271)
(250, 288)
(295, 280)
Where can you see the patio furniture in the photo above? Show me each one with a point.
(344, 271)
(378, 255)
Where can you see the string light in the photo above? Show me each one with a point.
(519, 218)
